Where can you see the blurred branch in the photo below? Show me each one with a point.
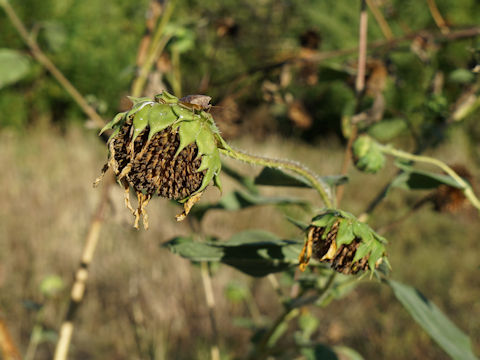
(359, 89)
(8, 350)
(50, 66)
(377, 14)
(437, 17)
(156, 47)
(464, 33)
(81, 275)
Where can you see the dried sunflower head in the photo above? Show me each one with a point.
(449, 199)
(165, 147)
(339, 239)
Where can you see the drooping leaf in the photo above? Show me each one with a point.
(238, 200)
(245, 181)
(13, 66)
(445, 333)
(275, 177)
(194, 250)
(413, 179)
(254, 252)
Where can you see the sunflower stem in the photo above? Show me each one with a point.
(317, 183)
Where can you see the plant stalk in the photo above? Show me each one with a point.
(317, 183)
(467, 189)
(81, 275)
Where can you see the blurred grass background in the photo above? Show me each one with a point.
(144, 302)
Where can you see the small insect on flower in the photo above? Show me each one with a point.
(166, 147)
(339, 239)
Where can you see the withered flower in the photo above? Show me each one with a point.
(165, 147)
(339, 239)
(451, 199)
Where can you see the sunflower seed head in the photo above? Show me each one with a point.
(164, 148)
(337, 238)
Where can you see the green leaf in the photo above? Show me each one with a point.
(461, 76)
(13, 66)
(413, 179)
(194, 250)
(449, 337)
(299, 224)
(238, 200)
(161, 117)
(387, 129)
(245, 181)
(275, 177)
(254, 252)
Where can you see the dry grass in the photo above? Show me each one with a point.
(143, 302)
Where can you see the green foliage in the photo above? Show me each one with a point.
(13, 66)
(254, 252)
(434, 322)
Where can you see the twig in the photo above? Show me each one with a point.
(359, 89)
(47, 63)
(157, 45)
(8, 350)
(81, 275)
(437, 17)
(387, 32)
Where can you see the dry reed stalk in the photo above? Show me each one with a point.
(8, 349)
(359, 88)
(81, 275)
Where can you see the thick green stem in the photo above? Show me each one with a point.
(467, 189)
(300, 169)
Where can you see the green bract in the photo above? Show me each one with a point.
(339, 238)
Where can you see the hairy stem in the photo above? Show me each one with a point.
(296, 167)
(467, 189)
(50, 66)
